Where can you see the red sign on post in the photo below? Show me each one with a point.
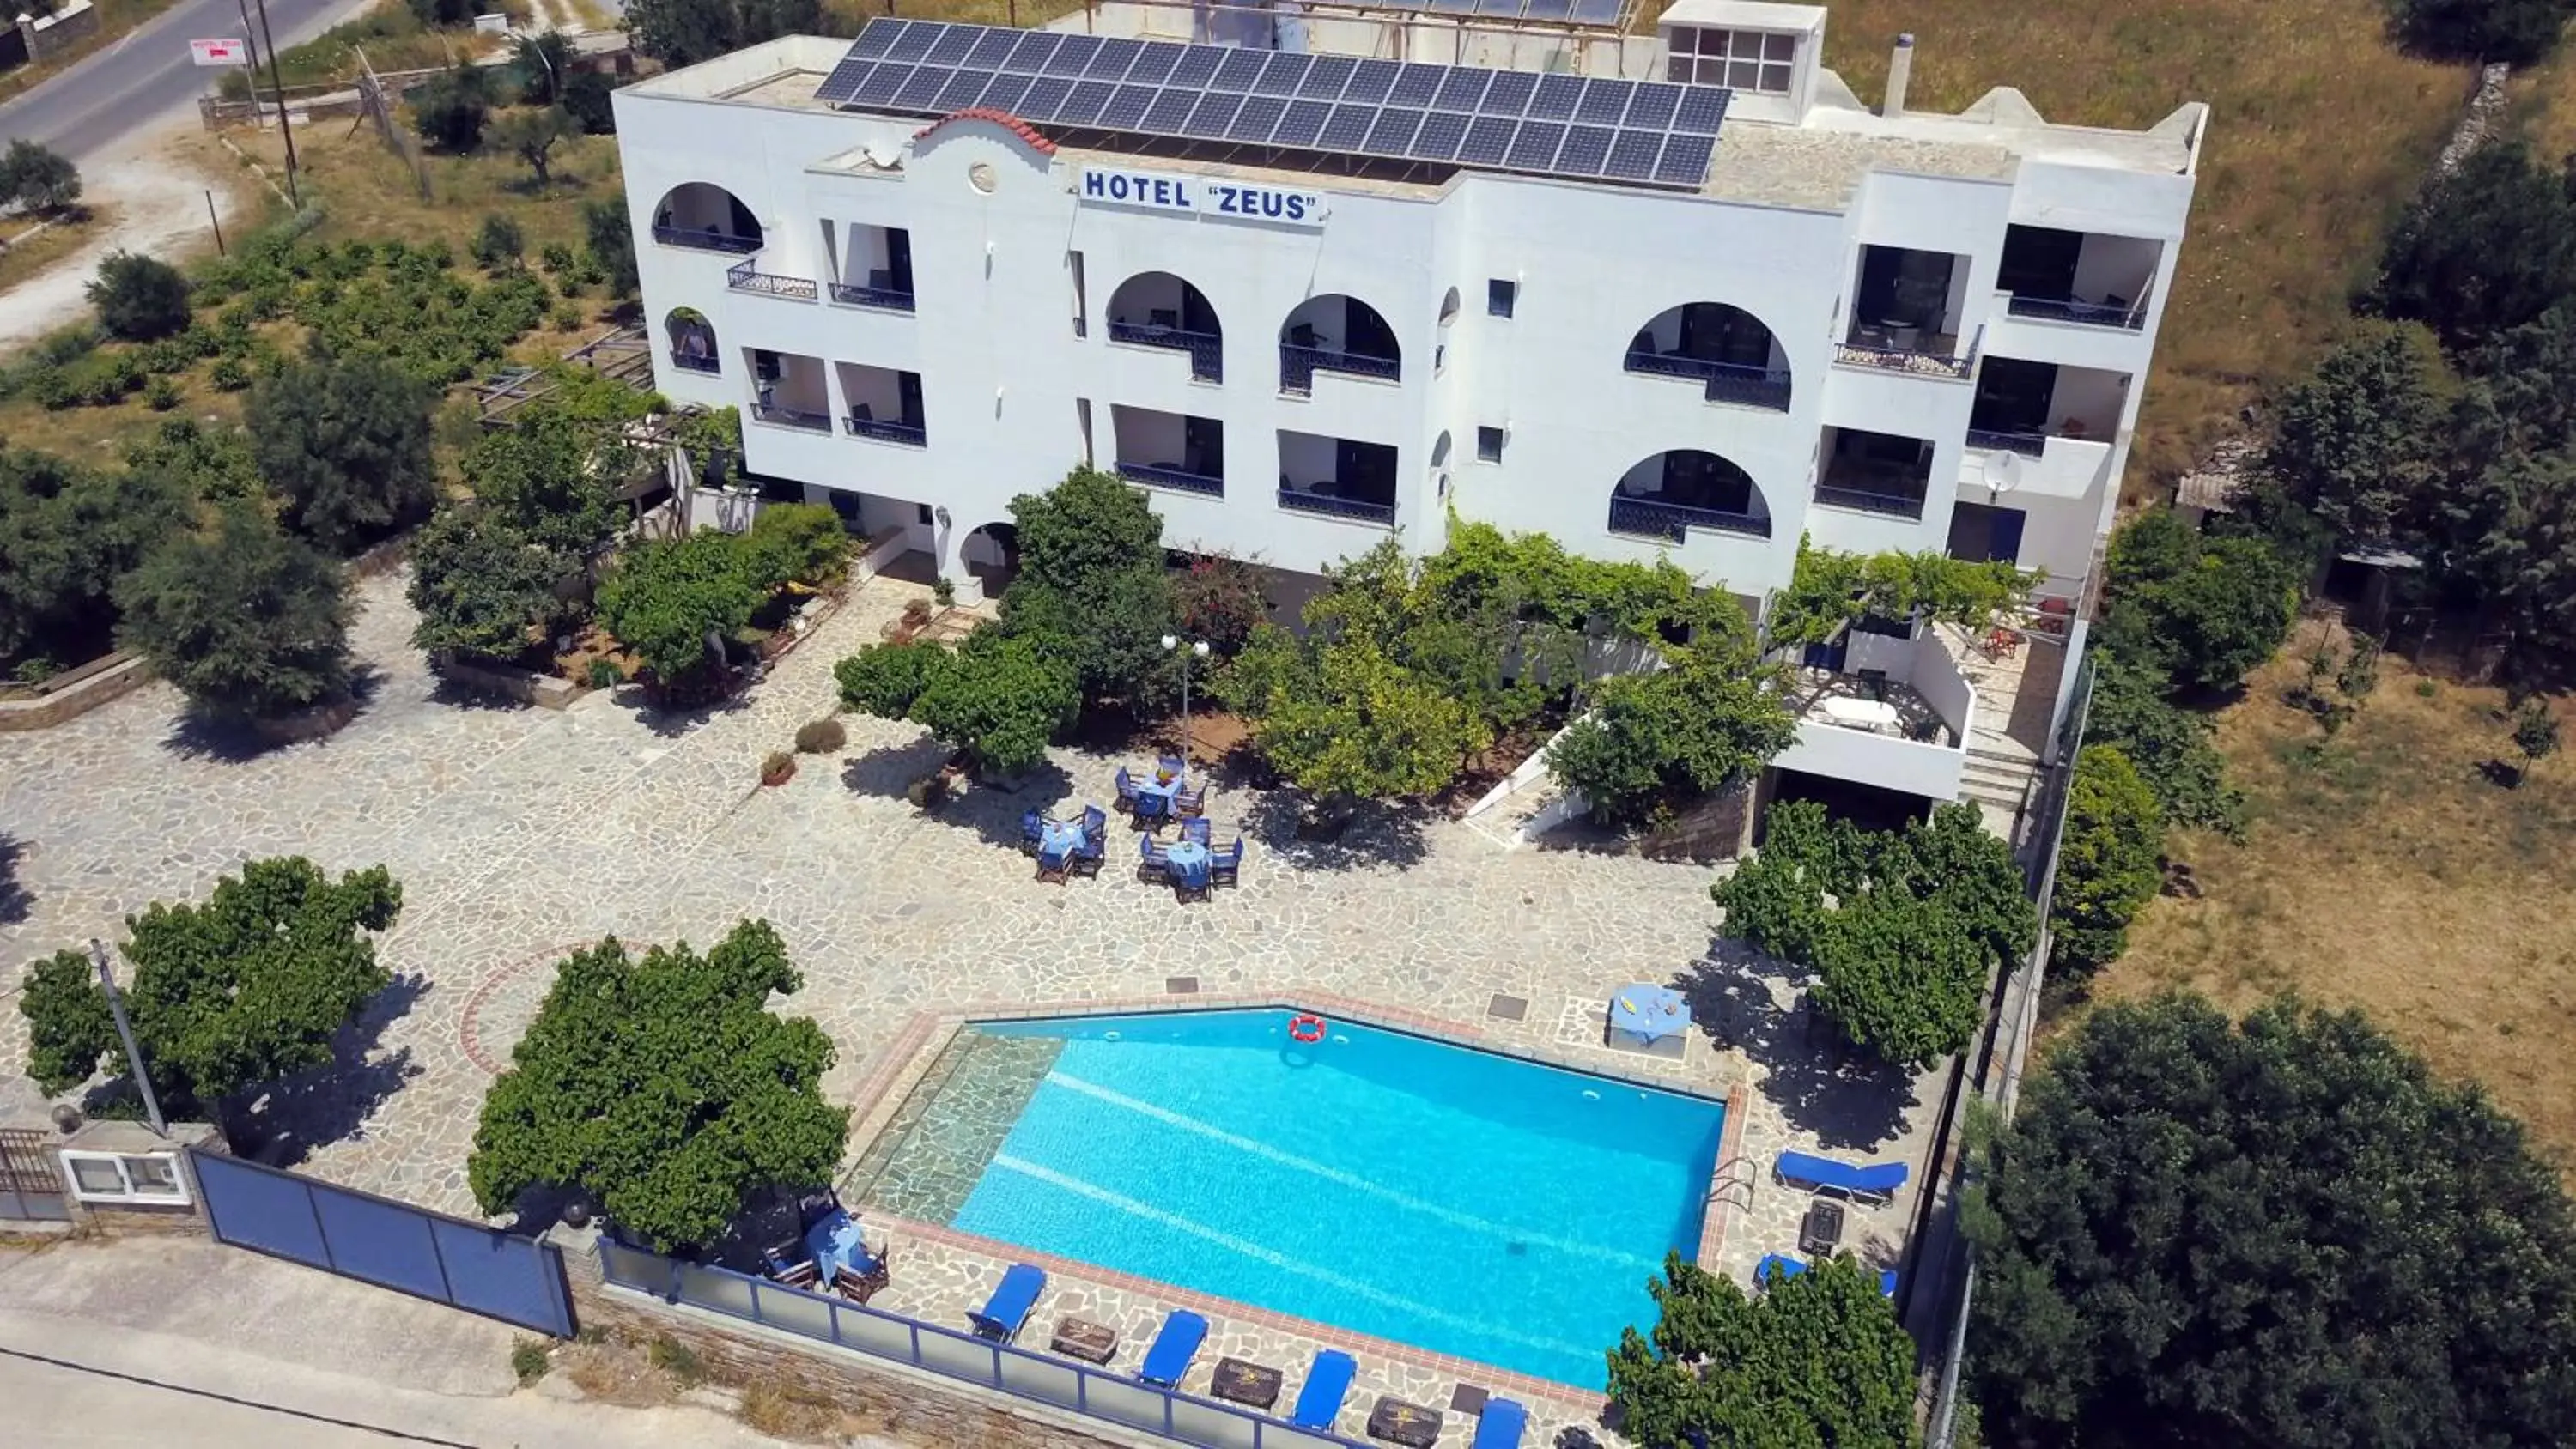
(219, 52)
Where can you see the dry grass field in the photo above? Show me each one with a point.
(2387, 871)
(2318, 134)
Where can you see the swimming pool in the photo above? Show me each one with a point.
(1460, 1201)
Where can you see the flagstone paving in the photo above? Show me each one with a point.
(518, 833)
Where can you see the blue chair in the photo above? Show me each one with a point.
(1126, 789)
(1190, 802)
(1095, 822)
(1093, 851)
(1009, 1306)
(1887, 1283)
(1195, 830)
(1500, 1425)
(1172, 765)
(1031, 828)
(1152, 863)
(1173, 1348)
(1877, 1182)
(1777, 1268)
(1328, 1382)
(1225, 863)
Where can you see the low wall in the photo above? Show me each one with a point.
(545, 691)
(50, 35)
(68, 697)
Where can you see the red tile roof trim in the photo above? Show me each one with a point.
(1003, 119)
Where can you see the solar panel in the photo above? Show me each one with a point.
(1349, 128)
(877, 39)
(1509, 94)
(1556, 97)
(1652, 107)
(1326, 77)
(1155, 66)
(963, 89)
(1584, 148)
(1463, 88)
(1240, 70)
(1534, 149)
(1030, 55)
(1605, 101)
(1083, 107)
(1393, 132)
(1212, 115)
(924, 87)
(1126, 110)
(1171, 112)
(1371, 80)
(1438, 140)
(1198, 63)
(915, 41)
(1417, 84)
(1073, 55)
(1702, 108)
(993, 49)
(1488, 143)
(1303, 124)
(953, 47)
(1632, 155)
(1549, 9)
(1110, 62)
(1594, 12)
(1006, 92)
(1685, 160)
(843, 82)
(1045, 96)
(1282, 75)
(1258, 118)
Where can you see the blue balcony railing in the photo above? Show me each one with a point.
(1868, 500)
(704, 239)
(686, 363)
(2126, 316)
(886, 430)
(1163, 475)
(1672, 522)
(1298, 366)
(2029, 445)
(885, 299)
(787, 417)
(746, 276)
(1359, 509)
(1206, 349)
(1724, 382)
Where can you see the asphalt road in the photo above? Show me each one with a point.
(147, 75)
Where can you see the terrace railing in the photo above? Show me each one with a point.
(1360, 509)
(1726, 382)
(704, 239)
(686, 363)
(2127, 316)
(787, 417)
(1869, 500)
(886, 430)
(1298, 366)
(1206, 349)
(1039, 1378)
(885, 299)
(1672, 522)
(1162, 475)
(746, 276)
(1990, 440)
(1897, 359)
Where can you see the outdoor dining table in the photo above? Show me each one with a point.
(1648, 1012)
(1187, 862)
(1059, 839)
(1154, 797)
(834, 1242)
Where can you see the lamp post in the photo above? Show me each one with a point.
(1198, 649)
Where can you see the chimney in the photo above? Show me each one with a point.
(1900, 67)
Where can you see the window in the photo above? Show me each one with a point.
(1744, 60)
(1489, 445)
(1500, 295)
(921, 514)
(142, 1177)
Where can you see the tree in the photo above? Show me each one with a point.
(1092, 586)
(1000, 700)
(2359, 443)
(611, 244)
(1221, 599)
(2535, 734)
(498, 243)
(1707, 723)
(139, 298)
(479, 585)
(224, 997)
(2288, 1235)
(67, 535)
(663, 1090)
(585, 99)
(437, 13)
(2109, 860)
(553, 479)
(1345, 722)
(37, 178)
(246, 621)
(346, 443)
(666, 597)
(530, 134)
(884, 679)
(1814, 1360)
(543, 67)
(2173, 749)
(2518, 32)
(2486, 248)
(799, 543)
(452, 109)
(684, 32)
(2205, 611)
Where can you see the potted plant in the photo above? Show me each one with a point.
(778, 769)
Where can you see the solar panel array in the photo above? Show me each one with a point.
(1598, 128)
(1562, 12)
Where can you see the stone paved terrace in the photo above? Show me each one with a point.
(519, 832)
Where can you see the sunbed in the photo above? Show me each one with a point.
(1173, 1348)
(1328, 1381)
(1012, 1299)
(1876, 1182)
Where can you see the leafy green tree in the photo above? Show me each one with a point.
(37, 177)
(2285, 1236)
(610, 243)
(1345, 722)
(498, 243)
(1899, 977)
(1000, 700)
(2518, 32)
(585, 99)
(667, 596)
(1221, 599)
(2174, 750)
(225, 997)
(1092, 584)
(684, 32)
(2360, 442)
(2535, 734)
(2108, 863)
(553, 480)
(1709, 722)
(531, 134)
(800, 543)
(196, 461)
(1814, 1360)
(67, 535)
(884, 679)
(2485, 249)
(346, 442)
(1829, 589)
(246, 621)
(479, 586)
(542, 66)
(2205, 611)
(139, 298)
(451, 111)
(663, 1090)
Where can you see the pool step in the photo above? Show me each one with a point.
(946, 1132)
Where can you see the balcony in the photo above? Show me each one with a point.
(2028, 445)
(1206, 349)
(1163, 475)
(705, 363)
(745, 276)
(1913, 360)
(1298, 366)
(884, 299)
(1336, 333)
(885, 430)
(1869, 500)
(1672, 522)
(2086, 279)
(781, 415)
(1358, 509)
(1723, 382)
(1881, 473)
(2125, 316)
(1341, 478)
(705, 239)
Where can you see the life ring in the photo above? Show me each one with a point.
(1306, 1027)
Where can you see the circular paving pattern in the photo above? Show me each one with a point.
(497, 1014)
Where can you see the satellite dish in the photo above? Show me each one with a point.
(2001, 471)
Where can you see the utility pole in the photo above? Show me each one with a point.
(269, 42)
(125, 1033)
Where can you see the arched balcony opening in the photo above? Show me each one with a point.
(708, 217)
(693, 340)
(1157, 309)
(1725, 349)
(1334, 333)
(1668, 494)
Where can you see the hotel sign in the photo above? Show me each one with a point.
(1214, 198)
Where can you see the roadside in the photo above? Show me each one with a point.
(157, 203)
(117, 19)
(35, 244)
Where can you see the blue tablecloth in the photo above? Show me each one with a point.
(1187, 862)
(1156, 798)
(835, 1244)
(1651, 1012)
(1059, 838)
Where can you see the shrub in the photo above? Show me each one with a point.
(555, 257)
(229, 374)
(776, 767)
(139, 298)
(37, 177)
(50, 388)
(244, 620)
(2516, 31)
(605, 675)
(585, 99)
(161, 395)
(884, 679)
(2108, 865)
(801, 543)
(821, 737)
(451, 111)
(529, 1360)
(498, 244)
(566, 317)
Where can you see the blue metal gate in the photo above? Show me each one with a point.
(390, 1244)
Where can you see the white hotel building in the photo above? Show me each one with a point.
(1363, 266)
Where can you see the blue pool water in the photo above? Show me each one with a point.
(1452, 1199)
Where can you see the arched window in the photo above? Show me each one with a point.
(1726, 349)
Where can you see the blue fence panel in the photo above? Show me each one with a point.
(254, 1208)
(382, 1244)
(502, 1276)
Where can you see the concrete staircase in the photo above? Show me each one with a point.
(1997, 784)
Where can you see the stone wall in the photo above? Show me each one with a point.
(50, 35)
(111, 677)
(509, 681)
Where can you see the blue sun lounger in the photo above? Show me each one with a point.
(1328, 1381)
(1500, 1426)
(1009, 1306)
(1876, 1182)
(1174, 1346)
(1780, 1268)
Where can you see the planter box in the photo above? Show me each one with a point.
(495, 676)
